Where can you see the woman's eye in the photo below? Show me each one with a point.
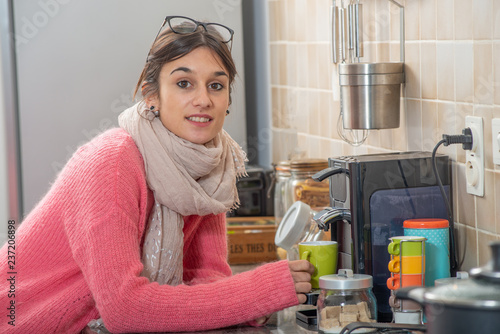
(216, 86)
(183, 84)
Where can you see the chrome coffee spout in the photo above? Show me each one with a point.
(331, 215)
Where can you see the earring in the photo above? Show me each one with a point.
(227, 112)
(155, 112)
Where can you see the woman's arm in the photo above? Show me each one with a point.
(104, 225)
(109, 260)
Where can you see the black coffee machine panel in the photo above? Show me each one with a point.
(381, 191)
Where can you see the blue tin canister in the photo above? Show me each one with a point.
(437, 246)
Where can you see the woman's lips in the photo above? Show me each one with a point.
(199, 120)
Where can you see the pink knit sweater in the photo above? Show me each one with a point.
(78, 258)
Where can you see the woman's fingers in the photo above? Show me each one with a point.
(302, 298)
(301, 265)
(301, 271)
(301, 277)
(303, 287)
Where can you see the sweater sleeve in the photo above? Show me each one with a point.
(205, 253)
(103, 230)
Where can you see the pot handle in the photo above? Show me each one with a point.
(413, 293)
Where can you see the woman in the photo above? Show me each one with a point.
(133, 229)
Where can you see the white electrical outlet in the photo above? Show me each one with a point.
(495, 136)
(474, 158)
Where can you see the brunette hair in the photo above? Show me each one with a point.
(170, 46)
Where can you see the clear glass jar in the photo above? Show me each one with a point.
(297, 226)
(282, 195)
(345, 298)
(283, 199)
(304, 188)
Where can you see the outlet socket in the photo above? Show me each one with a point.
(495, 136)
(474, 158)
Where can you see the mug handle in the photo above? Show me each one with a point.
(305, 255)
(394, 266)
(393, 282)
(393, 248)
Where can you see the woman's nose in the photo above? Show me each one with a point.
(202, 98)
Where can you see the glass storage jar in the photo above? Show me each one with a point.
(283, 199)
(345, 298)
(282, 195)
(297, 226)
(304, 188)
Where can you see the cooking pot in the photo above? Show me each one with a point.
(466, 306)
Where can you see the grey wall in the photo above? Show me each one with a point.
(257, 82)
(9, 157)
(78, 62)
(4, 200)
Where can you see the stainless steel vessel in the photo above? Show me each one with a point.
(370, 94)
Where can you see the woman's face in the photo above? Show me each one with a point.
(193, 95)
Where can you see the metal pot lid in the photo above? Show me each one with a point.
(490, 272)
(466, 293)
(480, 291)
(345, 280)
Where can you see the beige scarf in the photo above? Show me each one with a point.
(186, 179)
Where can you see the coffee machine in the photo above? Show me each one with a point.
(370, 197)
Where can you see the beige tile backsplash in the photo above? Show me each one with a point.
(444, 9)
(428, 70)
(483, 72)
(445, 71)
(463, 19)
(452, 65)
(464, 71)
(482, 18)
(428, 15)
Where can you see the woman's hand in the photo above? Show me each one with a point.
(262, 320)
(301, 272)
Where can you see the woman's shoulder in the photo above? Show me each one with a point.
(109, 163)
(113, 150)
(105, 173)
(112, 142)
(116, 138)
